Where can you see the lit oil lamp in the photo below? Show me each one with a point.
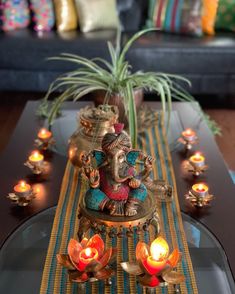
(36, 162)
(23, 194)
(87, 256)
(36, 158)
(88, 261)
(154, 266)
(196, 164)
(189, 134)
(44, 139)
(44, 134)
(199, 195)
(188, 138)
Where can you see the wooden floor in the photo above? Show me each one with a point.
(226, 119)
(11, 106)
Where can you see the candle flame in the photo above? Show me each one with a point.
(22, 184)
(21, 187)
(200, 187)
(188, 131)
(197, 154)
(35, 154)
(88, 252)
(43, 131)
(44, 134)
(159, 249)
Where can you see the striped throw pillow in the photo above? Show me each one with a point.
(209, 16)
(175, 16)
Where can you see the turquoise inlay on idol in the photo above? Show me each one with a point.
(93, 198)
(115, 186)
(139, 194)
(132, 156)
(99, 156)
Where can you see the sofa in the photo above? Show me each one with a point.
(209, 62)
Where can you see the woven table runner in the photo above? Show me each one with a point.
(153, 141)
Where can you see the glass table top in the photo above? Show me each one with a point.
(23, 255)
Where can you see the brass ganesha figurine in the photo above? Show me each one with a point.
(114, 184)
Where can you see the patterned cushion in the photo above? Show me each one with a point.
(175, 16)
(15, 14)
(43, 14)
(209, 16)
(66, 16)
(226, 15)
(97, 14)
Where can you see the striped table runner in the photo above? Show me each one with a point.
(55, 279)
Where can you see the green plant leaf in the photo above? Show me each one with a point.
(132, 117)
(63, 97)
(86, 91)
(115, 77)
(112, 54)
(80, 61)
(104, 62)
(131, 41)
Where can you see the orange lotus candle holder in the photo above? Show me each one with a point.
(196, 164)
(154, 266)
(188, 138)
(88, 261)
(36, 162)
(199, 195)
(44, 139)
(23, 194)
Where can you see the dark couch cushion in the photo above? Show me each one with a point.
(181, 54)
(27, 50)
(209, 62)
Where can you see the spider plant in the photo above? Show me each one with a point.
(114, 77)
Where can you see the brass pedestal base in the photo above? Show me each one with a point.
(101, 222)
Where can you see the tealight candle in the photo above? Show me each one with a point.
(86, 256)
(36, 162)
(44, 135)
(189, 135)
(199, 195)
(36, 158)
(44, 139)
(197, 160)
(159, 251)
(22, 189)
(200, 190)
(154, 266)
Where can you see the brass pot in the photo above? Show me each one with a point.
(117, 100)
(93, 124)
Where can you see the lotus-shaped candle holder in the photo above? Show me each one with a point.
(196, 164)
(188, 138)
(154, 266)
(88, 260)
